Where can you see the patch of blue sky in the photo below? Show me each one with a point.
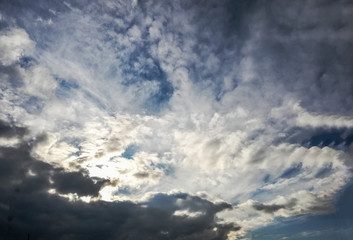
(159, 99)
(324, 172)
(65, 87)
(267, 178)
(336, 138)
(122, 191)
(141, 67)
(262, 195)
(76, 143)
(130, 151)
(292, 171)
(27, 62)
(332, 138)
(66, 84)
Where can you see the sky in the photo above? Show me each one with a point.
(184, 119)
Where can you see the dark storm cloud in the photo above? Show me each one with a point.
(14, 131)
(26, 206)
(268, 208)
(76, 182)
(19, 170)
(49, 217)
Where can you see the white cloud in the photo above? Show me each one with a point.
(307, 119)
(39, 82)
(9, 142)
(187, 213)
(14, 43)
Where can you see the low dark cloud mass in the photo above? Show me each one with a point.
(20, 171)
(26, 206)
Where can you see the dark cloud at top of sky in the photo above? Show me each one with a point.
(316, 34)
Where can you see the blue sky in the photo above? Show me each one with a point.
(176, 119)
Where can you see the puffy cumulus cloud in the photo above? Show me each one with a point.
(230, 101)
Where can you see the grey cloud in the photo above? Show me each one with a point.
(51, 217)
(316, 34)
(27, 174)
(142, 175)
(325, 206)
(14, 131)
(271, 208)
(268, 208)
(76, 182)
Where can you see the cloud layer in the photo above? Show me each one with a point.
(218, 117)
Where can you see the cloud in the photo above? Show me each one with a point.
(272, 208)
(125, 99)
(14, 43)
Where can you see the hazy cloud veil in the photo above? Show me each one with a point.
(172, 119)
